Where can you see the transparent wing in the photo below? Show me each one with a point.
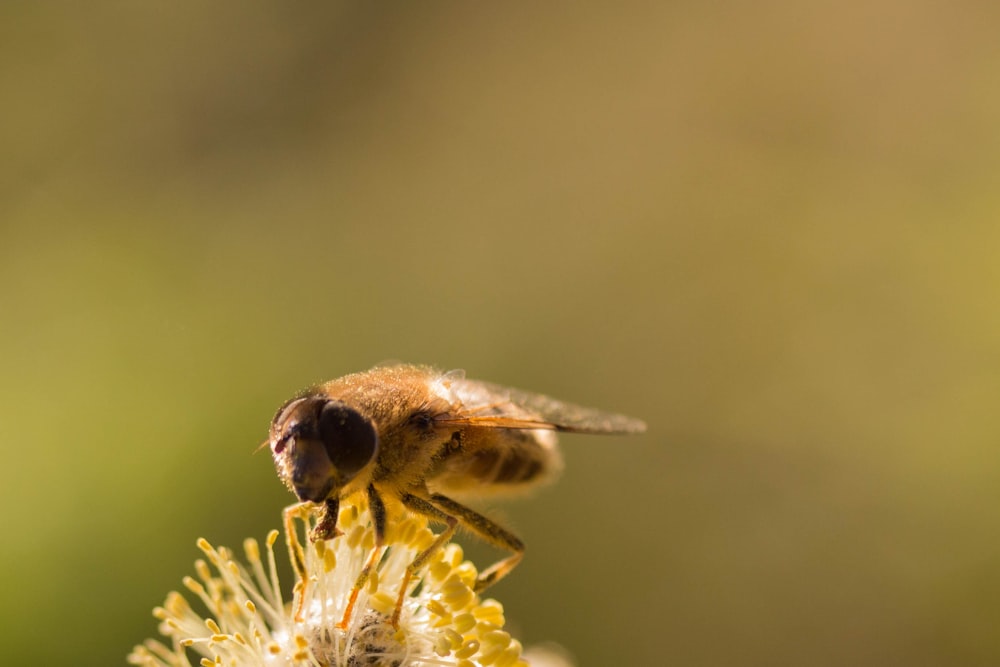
(494, 406)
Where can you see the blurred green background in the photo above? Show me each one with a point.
(769, 229)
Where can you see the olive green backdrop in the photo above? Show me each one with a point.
(770, 230)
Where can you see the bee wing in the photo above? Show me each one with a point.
(494, 406)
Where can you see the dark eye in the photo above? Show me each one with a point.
(349, 439)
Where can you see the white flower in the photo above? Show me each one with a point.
(249, 622)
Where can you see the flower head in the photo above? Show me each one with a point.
(249, 621)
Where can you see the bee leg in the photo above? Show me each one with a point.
(326, 527)
(295, 553)
(421, 506)
(490, 531)
(377, 509)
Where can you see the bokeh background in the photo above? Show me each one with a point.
(770, 229)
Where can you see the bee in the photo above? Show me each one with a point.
(411, 439)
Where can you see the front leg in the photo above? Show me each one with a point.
(377, 510)
(326, 527)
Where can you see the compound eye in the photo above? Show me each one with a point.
(349, 439)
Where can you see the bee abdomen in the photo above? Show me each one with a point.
(506, 467)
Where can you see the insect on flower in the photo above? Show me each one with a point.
(408, 439)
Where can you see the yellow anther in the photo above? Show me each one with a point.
(329, 560)
(490, 611)
(464, 622)
(355, 537)
(454, 555)
(456, 594)
(251, 607)
(201, 567)
(212, 625)
(252, 550)
(470, 648)
(508, 657)
(272, 537)
(383, 602)
(442, 646)
(454, 639)
(488, 656)
(440, 570)
(436, 608)
(193, 586)
(274, 648)
(495, 639)
(422, 540)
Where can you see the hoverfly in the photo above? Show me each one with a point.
(408, 438)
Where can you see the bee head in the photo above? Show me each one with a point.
(319, 445)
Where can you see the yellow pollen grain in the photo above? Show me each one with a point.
(274, 648)
(301, 642)
(205, 662)
(219, 638)
(251, 607)
(240, 639)
(212, 625)
(272, 537)
(470, 648)
(301, 656)
(187, 643)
